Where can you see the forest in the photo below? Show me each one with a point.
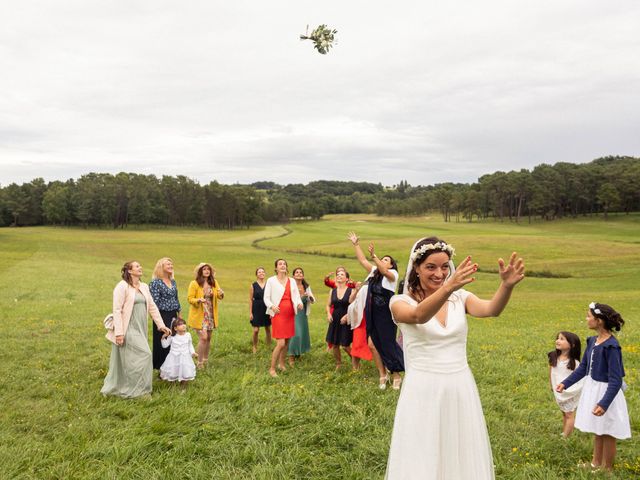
(600, 187)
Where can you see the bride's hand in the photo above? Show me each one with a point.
(513, 272)
(462, 275)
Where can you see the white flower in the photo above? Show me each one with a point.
(432, 246)
(592, 306)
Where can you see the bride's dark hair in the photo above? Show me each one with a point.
(413, 281)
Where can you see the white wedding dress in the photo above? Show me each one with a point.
(439, 430)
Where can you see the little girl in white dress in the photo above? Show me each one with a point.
(562, 362)
(178, 366)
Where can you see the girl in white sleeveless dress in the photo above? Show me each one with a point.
(562, 362)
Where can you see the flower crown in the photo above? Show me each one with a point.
(592, 307)
(441, 246)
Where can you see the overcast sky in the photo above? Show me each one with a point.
(418, 90)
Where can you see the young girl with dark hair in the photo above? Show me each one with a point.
(178, 366)
(562, 362)
(602, 409)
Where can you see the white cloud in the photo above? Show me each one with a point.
(422, 91)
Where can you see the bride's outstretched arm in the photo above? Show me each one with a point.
(510, 274)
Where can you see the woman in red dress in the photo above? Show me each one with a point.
(282, 298)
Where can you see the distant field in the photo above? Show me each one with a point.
(234, 421)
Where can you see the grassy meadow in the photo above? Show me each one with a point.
(234, 421)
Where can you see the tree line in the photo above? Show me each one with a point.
(605, 185)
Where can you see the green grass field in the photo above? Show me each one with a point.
(234, 421)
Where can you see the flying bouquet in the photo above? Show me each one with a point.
(323, 38)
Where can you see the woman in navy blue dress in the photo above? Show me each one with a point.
(258, 315)
(339, 333)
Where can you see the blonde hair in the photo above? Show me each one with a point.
(158, 271)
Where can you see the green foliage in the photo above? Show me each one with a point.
(548, 192)
(234, 421)
(322, 37)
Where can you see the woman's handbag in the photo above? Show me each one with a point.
(108, 322)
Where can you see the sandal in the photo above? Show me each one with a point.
(396, 383)
(382, 382)
(588, 466)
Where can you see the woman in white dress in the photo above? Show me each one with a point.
(439, 430)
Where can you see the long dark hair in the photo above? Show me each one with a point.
(413, 280)
(612, 319)
(201, 278)
(574, 351)
(377, 276)
(305, 284)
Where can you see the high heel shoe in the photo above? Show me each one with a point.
(396, 383)
(382, 382)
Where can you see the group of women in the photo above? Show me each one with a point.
(132, 363)
(439, 429)
(358, 315)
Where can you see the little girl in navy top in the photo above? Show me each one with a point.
(602, 409)
(562, 362)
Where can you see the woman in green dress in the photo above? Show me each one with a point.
(130, 366)
(301, 342)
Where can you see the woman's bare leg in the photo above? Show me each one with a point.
(275, 356)
(382, 372)
(254, 339)
(337, 356)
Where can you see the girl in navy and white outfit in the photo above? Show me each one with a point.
(602, 409)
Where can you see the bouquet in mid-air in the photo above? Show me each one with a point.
(322, 36)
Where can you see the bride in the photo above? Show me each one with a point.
(439, 430)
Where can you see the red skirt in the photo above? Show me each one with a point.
(360, 345)
(283, 325)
